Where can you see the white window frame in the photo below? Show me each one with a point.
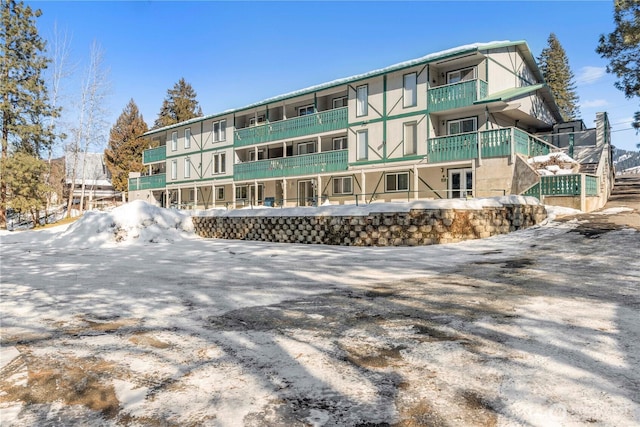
(340, 102)
(410, 90)
(219, 130)
(260, 119)
(242, 189)
(362, 144)
(174, 169)
(304, 110)
(187, 168)
(397, 182)
(362, 100)
(464, 192)
(413, 149)
(174, 141)
(339, 184)
(450, 122)
(341, 143)
(219, 163)
(311, 144)
(219, 193)
(187, 138)
(451, 79)
(252, 155)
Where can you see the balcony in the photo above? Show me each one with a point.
(493, 143)
(456, 95)
(330, 161)
(323, 121)
(153, 155)
(148, 182)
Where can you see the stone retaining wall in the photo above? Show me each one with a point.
(415, 227)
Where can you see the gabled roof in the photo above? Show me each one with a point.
(521, 45)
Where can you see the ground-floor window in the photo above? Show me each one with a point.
(343, 185)
(461, 183)
(241, 192)
(220, 193)
(397, 182)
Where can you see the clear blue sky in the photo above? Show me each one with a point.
(237, 53)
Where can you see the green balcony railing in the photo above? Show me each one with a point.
(530, 145)
(561, 185)
(591, 182)
(495, 143)
(148, 182)
(456, 95)
(323, 121)
(533, 191)
(331, 161)
(152, 155)
(453, 147)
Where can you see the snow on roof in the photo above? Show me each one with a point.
(426, 58)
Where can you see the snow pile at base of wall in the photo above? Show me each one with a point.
(135, 222)
(392, 224)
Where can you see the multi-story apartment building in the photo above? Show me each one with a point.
(451, 124)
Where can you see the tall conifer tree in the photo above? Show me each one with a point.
(179, 105)
(554, 65)
(622, 49)
(24, 101)
(124, 152)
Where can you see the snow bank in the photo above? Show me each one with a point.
(372, 208)
(554, 164)
(135, 222)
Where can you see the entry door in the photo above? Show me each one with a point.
(460, 183)
(260, 198)
(305, 193)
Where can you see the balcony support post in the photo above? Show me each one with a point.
(415, 182)
(233, 194)
(364, 186)
(179, 197)
(284, 191)
(254, 199)
(213, 194)
(284, 149)
(319, 145)
(318, 190)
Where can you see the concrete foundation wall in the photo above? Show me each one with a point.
(416, 227)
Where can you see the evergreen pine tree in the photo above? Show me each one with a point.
(24, 178)
(179, 105)
(622, 49)
(554, 65)
(24, 101)
(124, 152)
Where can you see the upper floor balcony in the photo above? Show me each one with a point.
(324, 121)
(456, 95)
(148, 182)
(307, 164)
(152, 155)
(488, 143)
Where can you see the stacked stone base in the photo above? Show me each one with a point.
(416, 227)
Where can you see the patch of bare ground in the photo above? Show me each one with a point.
(68, 379)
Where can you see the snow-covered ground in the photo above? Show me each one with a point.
(127, 318)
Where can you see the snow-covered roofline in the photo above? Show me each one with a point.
(473, 47)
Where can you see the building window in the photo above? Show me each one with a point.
(187, 168)
(461, 75)
(252, 155)
(254, 120)
(340, 143)
(174, 141)
(462, 126)
(187, 138)
(397, 182)
(342, 185)
(362, 144)
(174, 169)
(220, 193)
(241, 192)
(306, 148)
(340, 102)
(219, 131)
(410, 91)
(362, 100)
(306, 110)
(410, 138)
(219, 163)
